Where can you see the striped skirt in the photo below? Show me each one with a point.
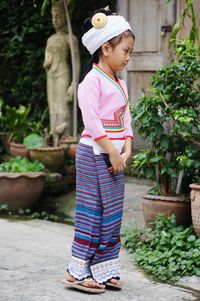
(99, 206)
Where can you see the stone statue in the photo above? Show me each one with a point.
(59, 78)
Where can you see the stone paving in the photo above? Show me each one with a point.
(33, 255)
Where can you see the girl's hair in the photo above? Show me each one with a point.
(87, 25)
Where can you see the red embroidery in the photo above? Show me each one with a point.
(117, 123)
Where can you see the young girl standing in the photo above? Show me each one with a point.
(103, 150)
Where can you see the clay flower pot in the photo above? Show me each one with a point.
(167, 205)
(18, 149)
(20, 190)
(70, 144)
(195, 205)
(51, 156)
(72, 150)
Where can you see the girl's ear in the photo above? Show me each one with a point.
(106, 48)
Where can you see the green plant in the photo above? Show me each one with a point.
(19, 164)
(17, 124)
(168, 252)
(31, 214)
(22, 39)
(169, 119)
(2, 117)
(187, 12)
(33, 140)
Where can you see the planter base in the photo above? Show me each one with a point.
(17, 149)
(70, 144)
(154, 205)
(195, 204)
(20, 190)
(51, 157)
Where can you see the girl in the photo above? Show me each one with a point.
(104, 148)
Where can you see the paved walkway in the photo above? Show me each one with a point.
(33, 254)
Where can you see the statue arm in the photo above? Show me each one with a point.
(70, 90)
(48, 58)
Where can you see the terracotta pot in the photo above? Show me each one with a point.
(17, 149)
(167, 205)
(72, 150)
(70, 144)
(68, 140)
(51, 156)
(195, 204)
(20, 190)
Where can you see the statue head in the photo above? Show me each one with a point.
(58, 15)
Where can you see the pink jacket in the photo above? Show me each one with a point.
(104, 106)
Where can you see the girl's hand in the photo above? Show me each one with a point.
(117, 162)
(125, 156)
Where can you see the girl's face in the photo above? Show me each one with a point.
(118, 57)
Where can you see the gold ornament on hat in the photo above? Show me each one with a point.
(99, 20)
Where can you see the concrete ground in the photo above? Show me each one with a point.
(33, 255)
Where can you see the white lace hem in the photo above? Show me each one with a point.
(106, 270)
(79, 268)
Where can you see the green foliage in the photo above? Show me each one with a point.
(169, 119)
(2, 117)
(23, 38)
(187, 12)
(168, 252)
(17, 124)
(46, 3)
(33, 140)
(31, 214)
(19, 164)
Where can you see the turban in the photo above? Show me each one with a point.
(104, 28)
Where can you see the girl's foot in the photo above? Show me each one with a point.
(114, 283)
(88, 284)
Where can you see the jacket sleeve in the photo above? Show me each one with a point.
(89, 102)
(127, 116)
(127, 123)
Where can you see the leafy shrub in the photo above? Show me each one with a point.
(19, 164)
(168, 118)
(23, 38)
(168, 252)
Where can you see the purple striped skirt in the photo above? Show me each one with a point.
(99, 206)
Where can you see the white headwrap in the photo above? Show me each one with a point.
(112, 26)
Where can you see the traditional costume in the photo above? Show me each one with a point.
(99, 192)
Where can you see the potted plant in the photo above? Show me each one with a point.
(169, 119)
(188, 125)
(46, 151)
(195, 206)
(21, 182)
(195, 197)
(19, 126)
(70, 144)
